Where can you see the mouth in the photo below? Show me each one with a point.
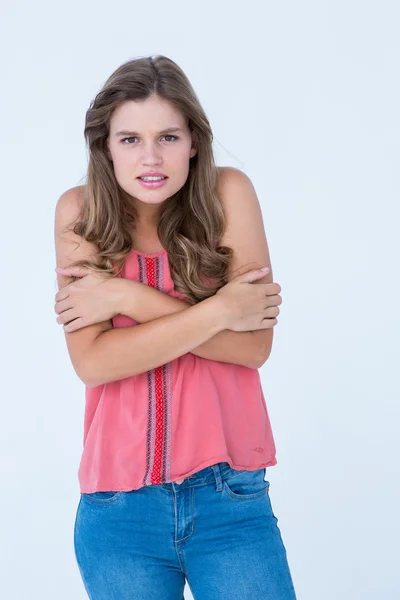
(152, 182)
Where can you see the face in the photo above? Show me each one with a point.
(139, 143)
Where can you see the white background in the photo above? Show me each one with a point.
(303, 97)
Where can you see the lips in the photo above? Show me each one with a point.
(152, 184)
(152, 175)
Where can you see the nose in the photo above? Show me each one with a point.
(151, 155)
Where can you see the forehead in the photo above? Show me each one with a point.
(153, 115)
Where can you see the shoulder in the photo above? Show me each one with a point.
(244, 231)
(230, 178)
(237, 194)
(69, 203)
(67, 211)
(70, 246)
(235, 191)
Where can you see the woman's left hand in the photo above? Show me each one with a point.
(92, 299)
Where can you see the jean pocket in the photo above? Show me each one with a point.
(101, 497)
(246, 485)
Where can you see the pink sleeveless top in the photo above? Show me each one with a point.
(169, 422)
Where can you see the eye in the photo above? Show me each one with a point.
(128, 138)
(135, 138)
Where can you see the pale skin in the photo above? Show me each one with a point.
(95, 299)
(104, 298)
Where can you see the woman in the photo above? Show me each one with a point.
(157, 252)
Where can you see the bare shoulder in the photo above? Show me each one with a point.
(69, 246)
(229, 178)
(238, 197)
(69, 204)
(244, 232)
(235, 190)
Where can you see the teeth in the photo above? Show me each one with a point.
(152, 178)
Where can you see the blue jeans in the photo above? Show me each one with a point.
(216, 530)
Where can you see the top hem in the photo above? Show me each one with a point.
(211, 461)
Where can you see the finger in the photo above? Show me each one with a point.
(271, 289)
(269, 323)
(62, 294)
(62, 305)
(72, 271)
(273, 300)
(74, 325)
(66, 316)
(271, 312)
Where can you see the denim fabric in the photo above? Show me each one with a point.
(216, 531)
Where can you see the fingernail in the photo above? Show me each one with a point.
(265, 269)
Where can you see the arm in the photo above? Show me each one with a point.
(245, 234)
(144, 303)
(118, 353)
(99, 353)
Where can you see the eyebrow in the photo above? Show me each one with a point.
(132, 133)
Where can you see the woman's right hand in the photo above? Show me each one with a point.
(250, 307)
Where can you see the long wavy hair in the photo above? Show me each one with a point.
(191, 221)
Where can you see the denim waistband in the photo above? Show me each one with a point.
(215, 473)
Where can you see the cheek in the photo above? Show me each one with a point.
(181, 167)
(121, 171)
(181, 158)
(124, 165)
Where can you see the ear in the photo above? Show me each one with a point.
(194, 149)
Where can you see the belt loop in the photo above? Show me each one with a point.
(218, 478)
